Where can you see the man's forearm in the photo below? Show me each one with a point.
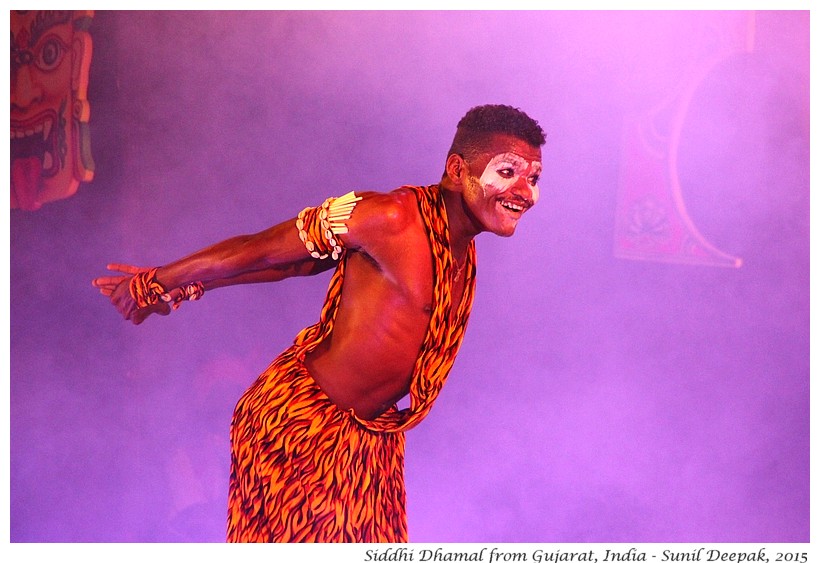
(308, 267)
(270, 255)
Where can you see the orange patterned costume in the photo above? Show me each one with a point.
(302, 469)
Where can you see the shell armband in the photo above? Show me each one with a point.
(319, 227)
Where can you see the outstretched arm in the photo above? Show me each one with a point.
(274, 254)
(271, 255)
(108, 284)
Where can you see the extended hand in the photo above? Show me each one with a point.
(117, 290)
(107, 284)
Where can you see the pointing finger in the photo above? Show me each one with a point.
(125, 268)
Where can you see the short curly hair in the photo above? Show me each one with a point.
(481, 122)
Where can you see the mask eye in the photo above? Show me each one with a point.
(533, 180)
(50, 54)
(506, 172)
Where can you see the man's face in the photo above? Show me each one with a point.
(503, 184)
(48, 78)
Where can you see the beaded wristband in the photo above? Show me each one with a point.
(189, 292)
(319, 227)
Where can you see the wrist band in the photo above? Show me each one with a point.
(319, 227)
(145, 289)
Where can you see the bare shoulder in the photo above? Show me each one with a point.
(379, 217)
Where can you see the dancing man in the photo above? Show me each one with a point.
(317, 442)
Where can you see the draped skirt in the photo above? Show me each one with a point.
(304, 470)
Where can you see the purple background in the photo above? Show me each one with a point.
(595, 399)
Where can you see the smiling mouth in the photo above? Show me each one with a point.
(517, 208)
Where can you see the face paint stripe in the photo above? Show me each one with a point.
(494, 183)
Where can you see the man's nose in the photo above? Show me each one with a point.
(523, 188)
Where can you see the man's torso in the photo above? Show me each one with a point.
(367, 362)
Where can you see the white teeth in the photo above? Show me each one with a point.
(29, 132)
(46, 129)
(38, 128)
(20, 134)
(512, 206)
(48, 161)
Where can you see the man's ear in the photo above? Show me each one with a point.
(456, 169)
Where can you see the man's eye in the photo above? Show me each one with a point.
(533, 180)
(506, 172)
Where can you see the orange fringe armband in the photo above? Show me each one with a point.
(319, 227)
(145, 289)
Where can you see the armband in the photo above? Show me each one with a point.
(319, 227)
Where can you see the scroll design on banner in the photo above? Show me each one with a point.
(652, 222)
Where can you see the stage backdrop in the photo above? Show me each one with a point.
(600, 395)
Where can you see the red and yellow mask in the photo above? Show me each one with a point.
(50, 145)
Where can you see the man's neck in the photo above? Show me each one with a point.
(462, 227)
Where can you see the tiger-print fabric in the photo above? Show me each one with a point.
(302, 469)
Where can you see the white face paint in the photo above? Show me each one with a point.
(504, 170)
